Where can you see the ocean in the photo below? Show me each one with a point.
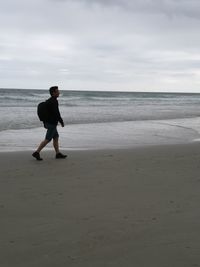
(96, 120)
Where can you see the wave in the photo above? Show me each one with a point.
(18, 107)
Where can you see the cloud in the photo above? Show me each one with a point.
(112, 44)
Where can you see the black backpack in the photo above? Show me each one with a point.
(42, 111)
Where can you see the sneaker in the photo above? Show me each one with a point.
(60, 156)
(37, 155)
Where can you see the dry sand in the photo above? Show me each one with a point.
(137, 208)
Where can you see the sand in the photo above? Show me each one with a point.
(136, 207)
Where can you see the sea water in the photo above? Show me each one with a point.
(98, 120)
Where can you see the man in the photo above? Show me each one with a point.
(51, 125)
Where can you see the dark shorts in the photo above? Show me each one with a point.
(52, 132)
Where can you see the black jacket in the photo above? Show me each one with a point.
(53, 111)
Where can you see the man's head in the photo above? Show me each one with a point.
(54, 91)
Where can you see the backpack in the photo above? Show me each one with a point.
(42, 111)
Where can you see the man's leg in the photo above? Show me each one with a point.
(51, 133)
(42, 145)
(36, 154)
(57, 150)
(56, 145)
(47, 139)
(51, 130)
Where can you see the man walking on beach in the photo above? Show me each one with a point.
(51, 125)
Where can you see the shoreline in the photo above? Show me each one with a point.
(113, 135)
(114, 207)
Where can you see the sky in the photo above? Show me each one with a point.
(122, 45)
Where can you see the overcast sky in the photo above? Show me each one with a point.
(127, 45)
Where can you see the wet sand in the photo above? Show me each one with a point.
(137, 207)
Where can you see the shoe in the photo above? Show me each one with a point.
(37, 155)
(60, 156)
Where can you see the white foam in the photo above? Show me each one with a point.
(106, 135)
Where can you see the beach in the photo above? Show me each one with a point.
(114, 207)
(100, 120)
